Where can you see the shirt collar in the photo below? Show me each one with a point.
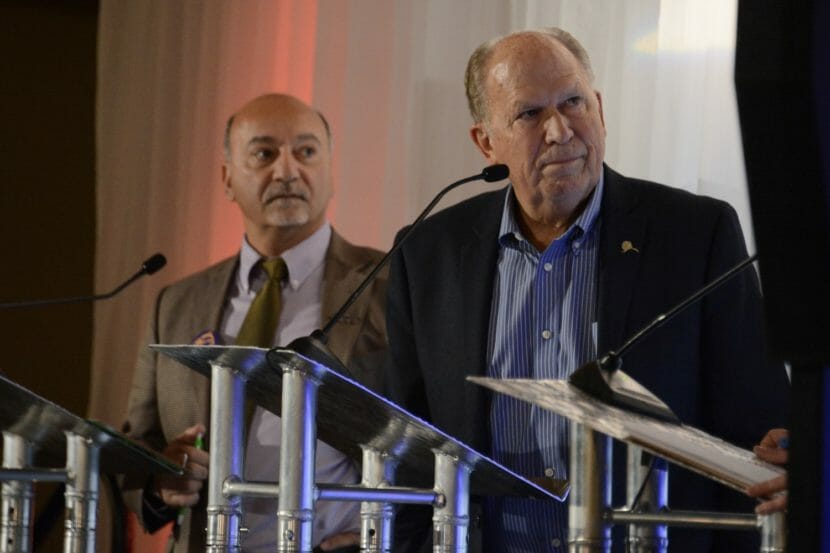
(301, 260)
(510, 235)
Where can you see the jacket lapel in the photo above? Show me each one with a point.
(208, 315)
(344, 271)
(621, 246)
(479, 258)
(477, 266)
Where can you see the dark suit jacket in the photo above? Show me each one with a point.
(708, 364)
(167, 397)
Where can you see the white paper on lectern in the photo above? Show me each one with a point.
(681, 444)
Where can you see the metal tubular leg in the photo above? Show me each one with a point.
(451, 517)
(773, 533)
(688, 519)
(590, 476)
(17, 496)
(645, 538)
(82, 458)
(227, 404)
(295, 516)
(376, 517)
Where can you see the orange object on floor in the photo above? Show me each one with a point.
(139, 541)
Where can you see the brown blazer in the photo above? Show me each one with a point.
(166, 397)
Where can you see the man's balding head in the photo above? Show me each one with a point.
(226, 141)
(477, 65)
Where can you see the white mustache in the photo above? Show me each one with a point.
(284, 189)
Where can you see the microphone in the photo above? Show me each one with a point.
(150, 266)
(603, 379)
(314, 346)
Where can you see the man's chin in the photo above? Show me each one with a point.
(289, 220)
(566, 191)
(563, 184)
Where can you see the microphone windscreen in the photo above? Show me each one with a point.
(496, 172)
(153, 264)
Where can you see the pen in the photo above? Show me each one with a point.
(198, 443)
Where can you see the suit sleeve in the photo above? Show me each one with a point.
(143, 425)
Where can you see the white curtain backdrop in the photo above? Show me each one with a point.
(388, 75)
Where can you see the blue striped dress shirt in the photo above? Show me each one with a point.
(542, 325)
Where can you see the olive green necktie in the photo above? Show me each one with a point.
(260, 324)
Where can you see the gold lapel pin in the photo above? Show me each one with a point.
(627, 246)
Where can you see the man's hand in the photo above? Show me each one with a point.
(776, 489)
(772, 449)
(183, 491)
(773, 446)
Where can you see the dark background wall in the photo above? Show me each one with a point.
(47, 197)
(47, 194)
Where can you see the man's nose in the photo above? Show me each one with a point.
(558, 129)
(285, 167)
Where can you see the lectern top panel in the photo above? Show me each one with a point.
(685, 445)
(350, 416)
(44, 424)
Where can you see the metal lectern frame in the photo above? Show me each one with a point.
(590, 511)
(35, 429)
(355, 420)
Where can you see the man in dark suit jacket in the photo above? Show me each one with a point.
(535, 110)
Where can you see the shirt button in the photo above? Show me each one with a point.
(549, 472)
(555, 542)
(548, 267)
(546, 334)
(577, 244)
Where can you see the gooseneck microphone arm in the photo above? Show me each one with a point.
(314, 346)
(492, 173)
(603, 378)
(150, 266)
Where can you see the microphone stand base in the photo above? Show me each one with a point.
(314, 347)
(614, 387)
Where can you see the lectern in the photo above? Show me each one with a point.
(38, 433)
(314, 400)
(593, 422)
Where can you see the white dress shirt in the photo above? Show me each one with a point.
(301, 314)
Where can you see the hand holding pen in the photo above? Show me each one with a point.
(186, 450)
(198, 443)
(773, 449)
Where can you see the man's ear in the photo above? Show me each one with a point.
(226, 181)
(601, 115)
(481, 138)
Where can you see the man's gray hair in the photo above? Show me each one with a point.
(474, 77)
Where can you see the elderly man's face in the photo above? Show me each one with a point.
(279, 171)
(544, 120)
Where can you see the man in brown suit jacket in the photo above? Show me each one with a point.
(278, 170)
